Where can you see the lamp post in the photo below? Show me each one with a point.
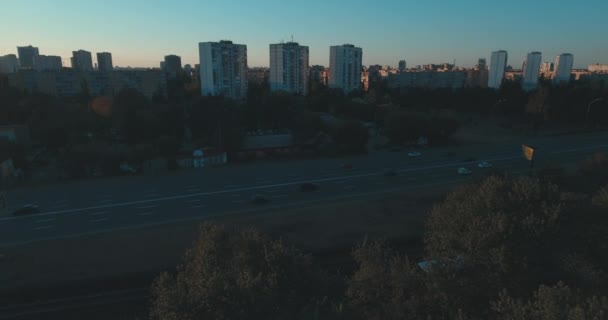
(589, 109)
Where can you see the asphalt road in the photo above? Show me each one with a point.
(88, 207)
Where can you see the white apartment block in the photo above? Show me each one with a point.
(496, 73)
(223, 69)
(345, 63)
(289, 68)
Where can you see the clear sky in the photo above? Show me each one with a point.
(142, 32)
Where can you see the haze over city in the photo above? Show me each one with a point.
(139, 34)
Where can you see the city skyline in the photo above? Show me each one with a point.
(138, 36)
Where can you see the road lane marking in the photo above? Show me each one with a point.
(147, 207)
(45, 220)
(361, 175)
(99, 220)
(98, 213)
(44, 228)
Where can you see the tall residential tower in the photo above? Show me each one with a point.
(498, 63)
(82, 60)
(531, 70)
(289, 68)
(563, 68)
(104, 62)
(27, 55)
(223, 69)
(345, 63)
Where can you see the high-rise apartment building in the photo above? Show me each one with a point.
(531, 70)
(563, 68)
(82, 60)
(345, 63)
(289, 68)
(173, 65)
(223, 69)
(481, 64)
(402, 65)
(104, 62)
(498, 63)
(9, 63)
(47, 63)
(26, 56)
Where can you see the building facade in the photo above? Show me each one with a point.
(496, 72)
(563, 68)
(258, 75)
(27, 55)
(345, 64)
(428, 79)
(402, 65)
(289, 68)
(9, 63)
(319, 75)
(104, 62)
(173, 65)
(481, 64)
(82, 60)
(47, 63)
(223, 69)
(600, 68)
(531, 70)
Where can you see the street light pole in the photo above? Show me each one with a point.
(589, 109)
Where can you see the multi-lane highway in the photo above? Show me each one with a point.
(78, 208)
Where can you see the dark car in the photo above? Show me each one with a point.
(259, 199)
(309, 187)
(26, 209)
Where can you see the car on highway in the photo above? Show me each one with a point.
(464, 171)
(484, 165)
(414, 154)
(309, 187)
(26, 210)
(260, 199)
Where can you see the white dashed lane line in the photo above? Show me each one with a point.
(44, 228)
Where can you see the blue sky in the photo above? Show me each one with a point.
(142, 32)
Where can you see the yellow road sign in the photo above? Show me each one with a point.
(528, 152)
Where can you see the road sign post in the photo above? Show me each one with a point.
(529, 153)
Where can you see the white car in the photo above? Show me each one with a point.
(464, 171)
(484, 164)
(414, 154)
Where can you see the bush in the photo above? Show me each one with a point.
(351, 137)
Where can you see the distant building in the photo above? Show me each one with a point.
(173, 65)
(163, 67)
(481, 64)
(600, 68)
(223, 69)
(289, 68)
(104, 62)
(259, 75)
(9, 63)
(26, 56)
(67, 83)
(428, 79)
(496, 72)
(319, 75)
(546, 67)
(531, 70)
(402, 65)
(82, 60)
(345, 63)
(477, 78)
(563, 68)
(47, 63)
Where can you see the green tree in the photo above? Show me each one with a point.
(498, 229)
(351, 137)
(238, 275)
(558, 302)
